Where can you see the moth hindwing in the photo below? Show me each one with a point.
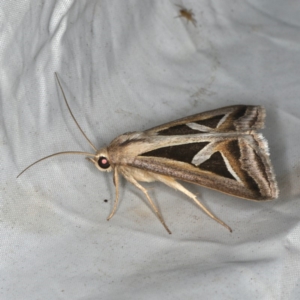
(219, 149)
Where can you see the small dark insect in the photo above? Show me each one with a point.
(187, 14)
(105, 200)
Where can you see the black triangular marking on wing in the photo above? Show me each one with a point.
(210, 122)
(216, 165)
(234, 149)
(251, 183)
(253, 121)
(184, 153)
(178, 130)
(235, 115)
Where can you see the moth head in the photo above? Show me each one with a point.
(101, 160)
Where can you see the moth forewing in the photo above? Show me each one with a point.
(219, 149)
(229, 155)
(236, 118)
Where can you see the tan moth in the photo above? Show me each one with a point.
(219, 149)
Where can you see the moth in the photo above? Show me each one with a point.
(187, 14)
(219, 149)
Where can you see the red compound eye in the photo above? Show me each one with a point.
(103, 162)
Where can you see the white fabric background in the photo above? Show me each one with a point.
(126, 66)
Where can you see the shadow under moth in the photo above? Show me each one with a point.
(219, 149)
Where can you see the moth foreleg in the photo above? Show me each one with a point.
(155, 209)
(116, 183)
(177, 186)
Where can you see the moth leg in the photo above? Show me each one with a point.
(177, 186)
(116, 183)
(155, 209)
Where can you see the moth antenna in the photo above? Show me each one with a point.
(65, 98)
(58, 153)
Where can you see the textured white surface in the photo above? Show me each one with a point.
(125, 66)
